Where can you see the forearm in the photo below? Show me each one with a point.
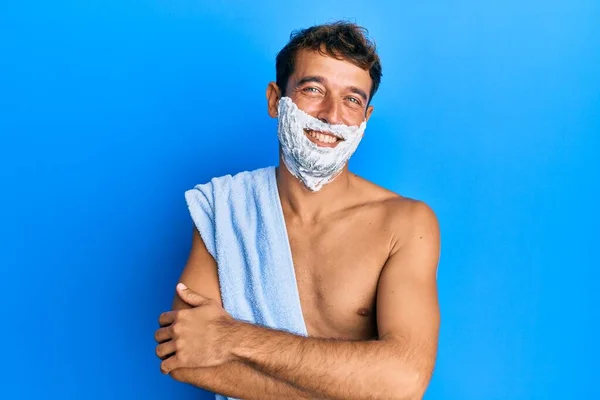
(236, 379)
(239, 380)
(330, 368)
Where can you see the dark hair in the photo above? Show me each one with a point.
(342, 40)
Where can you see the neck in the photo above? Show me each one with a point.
(305, 205)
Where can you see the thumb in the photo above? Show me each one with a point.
(189, 296)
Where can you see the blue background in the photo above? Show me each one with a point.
(110, 110)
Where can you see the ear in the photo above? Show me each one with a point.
(273, 96)
(368, 113)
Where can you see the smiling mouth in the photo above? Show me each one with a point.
(322, 139)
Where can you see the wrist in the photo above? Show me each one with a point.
(233, 338)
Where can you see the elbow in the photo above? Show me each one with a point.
(178, 374)
(410, 385)
(415, 393)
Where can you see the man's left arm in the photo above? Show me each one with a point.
(398, 365)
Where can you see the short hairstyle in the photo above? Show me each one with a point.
(342, 40)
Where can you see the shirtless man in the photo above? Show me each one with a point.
(365, 260)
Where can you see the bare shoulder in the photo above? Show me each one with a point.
(405, 218)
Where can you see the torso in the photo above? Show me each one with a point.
(338, 262)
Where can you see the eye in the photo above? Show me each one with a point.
(311, 89)
(354, 100)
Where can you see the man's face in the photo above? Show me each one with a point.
(326, 89)
(334, 91)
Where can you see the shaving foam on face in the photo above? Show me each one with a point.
(312, 164)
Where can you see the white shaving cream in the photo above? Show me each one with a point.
(312, 164)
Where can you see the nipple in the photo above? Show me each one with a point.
(364, 312)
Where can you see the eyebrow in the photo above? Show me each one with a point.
(322, 80)
(359, 92)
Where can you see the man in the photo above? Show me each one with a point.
(365, 258)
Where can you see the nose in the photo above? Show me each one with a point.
(330, 112)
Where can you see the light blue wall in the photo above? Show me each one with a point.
(109, 110)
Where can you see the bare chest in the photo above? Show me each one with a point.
(337, 268)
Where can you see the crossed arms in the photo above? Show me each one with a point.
(261, 363)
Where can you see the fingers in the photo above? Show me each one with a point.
(166, 349)
(189, 296)
(164, 334)
(169, 364)
(167, 318)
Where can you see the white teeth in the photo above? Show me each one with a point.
(322, 137)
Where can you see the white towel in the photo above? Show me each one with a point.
(241, 222)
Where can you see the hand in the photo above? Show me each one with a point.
(194, 337)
